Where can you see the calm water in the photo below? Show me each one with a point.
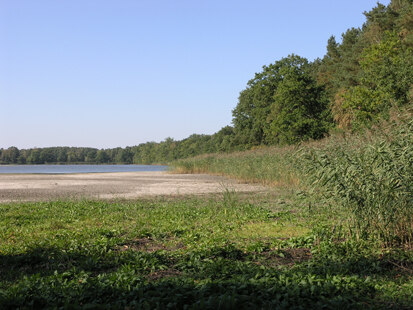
(78, 168)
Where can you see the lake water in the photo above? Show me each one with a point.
(78, 168)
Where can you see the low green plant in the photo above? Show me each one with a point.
(194, 253)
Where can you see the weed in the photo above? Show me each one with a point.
(209, 253)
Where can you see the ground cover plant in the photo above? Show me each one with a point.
(217, 252)
(362, 181)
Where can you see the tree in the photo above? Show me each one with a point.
(91, 156)
(47, 155)
(124, 156)
(62, 155)
(282, 104)
(102, 157)
(300, 108)
(10, 155)
(34, 157)
(254, 105)
(387, 79)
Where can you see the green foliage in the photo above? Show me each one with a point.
(185, 254)
(10, 155)
(339, 68)
(386, 80)
(375, 183)
(370, 176)
(365, 104)
(372, 69)
(388, 67)
(299, 110)
(282, 104)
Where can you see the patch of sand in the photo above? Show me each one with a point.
(38, 187)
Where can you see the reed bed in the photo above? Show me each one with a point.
(369, 175)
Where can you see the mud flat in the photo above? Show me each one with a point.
(40, 187)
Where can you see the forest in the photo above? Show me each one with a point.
(353, 86)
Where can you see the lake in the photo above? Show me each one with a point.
(58, 169)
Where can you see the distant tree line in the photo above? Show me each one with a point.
(145, 153)
(292, 100)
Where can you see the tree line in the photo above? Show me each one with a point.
(145, 153)
(354, 85)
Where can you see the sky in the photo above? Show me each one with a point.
(109, 73)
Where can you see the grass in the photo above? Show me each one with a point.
(217, 252)
(374, 183)
(270, 166)
(367, 177)
(334, 233)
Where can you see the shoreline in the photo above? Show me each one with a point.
(111, 185)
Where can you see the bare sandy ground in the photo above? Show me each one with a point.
(38, 187)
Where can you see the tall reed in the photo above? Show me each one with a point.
(374, 182)
(269, 166)
(369, 174)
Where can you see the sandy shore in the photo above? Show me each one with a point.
(36, 187)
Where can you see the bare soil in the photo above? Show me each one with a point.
(290, 256)
(129, 185)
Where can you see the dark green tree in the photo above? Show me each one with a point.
(91, 156)
(62, 155)
(34, 157)
(300, 108)
(10, 155)
(47, 155)
(102, 157)
(282, 104)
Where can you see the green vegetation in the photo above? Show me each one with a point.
(370, 176)
(145, 153)
(335, 234)
(212, 253)
(281, 105)
(374, 182)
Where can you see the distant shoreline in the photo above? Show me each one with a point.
(81, 163)
(70, 169)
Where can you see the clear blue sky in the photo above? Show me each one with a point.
(106, 73)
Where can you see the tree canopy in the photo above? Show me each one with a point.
(282, 104)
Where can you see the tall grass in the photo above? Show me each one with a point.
(374, 182)
(370, 175)
(269, 166)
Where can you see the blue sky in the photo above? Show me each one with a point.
(103, 73)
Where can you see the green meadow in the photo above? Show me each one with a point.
(285, 249)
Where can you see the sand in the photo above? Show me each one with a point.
(129, 185)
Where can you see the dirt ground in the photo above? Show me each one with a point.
(39, 187)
